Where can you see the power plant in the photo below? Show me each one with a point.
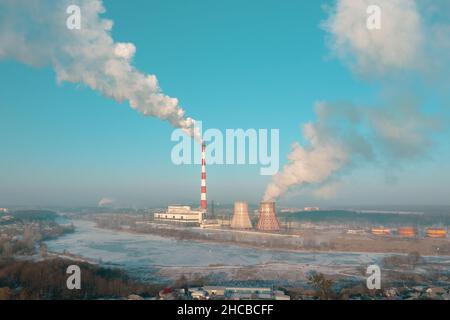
(267, 217)
(241, 218)
(267, 220)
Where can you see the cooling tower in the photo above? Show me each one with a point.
(241, 219)
(267, 217)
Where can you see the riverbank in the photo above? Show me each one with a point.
(304, 241)
(150, 257)
(166, 261)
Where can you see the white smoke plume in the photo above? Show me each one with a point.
(344, 134)
(308, 165)
(414, 36)
(106, 202)
(398, 129)
(34, 32)
(393, 47)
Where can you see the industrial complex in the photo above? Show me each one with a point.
(241, 220)
(267, 220)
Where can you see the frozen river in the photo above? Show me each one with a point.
(141, 254)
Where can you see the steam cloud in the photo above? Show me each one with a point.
(397, 129)
(345, 133)
(34, 32)
(106, 202)
(311, 164)
(393, 47)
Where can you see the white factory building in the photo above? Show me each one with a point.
(181, 214)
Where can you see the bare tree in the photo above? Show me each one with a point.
(43, 250)
(414, 259)
(323, 285)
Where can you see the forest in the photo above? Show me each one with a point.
(46, 280)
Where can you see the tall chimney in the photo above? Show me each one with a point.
(203, 204)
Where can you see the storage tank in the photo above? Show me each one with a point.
(436, 233)
(407, 232)
(241, 218)
(381, 231)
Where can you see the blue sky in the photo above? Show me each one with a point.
(232, 64)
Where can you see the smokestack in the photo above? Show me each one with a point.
(203, 204)
(241, 219)
(267, 217)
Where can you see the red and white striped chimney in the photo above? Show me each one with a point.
(203, 204)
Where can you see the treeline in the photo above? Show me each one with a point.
(51, 230)
(32, 235)
(21, 247)
(46, 280)
(34, 215)
(358, 219)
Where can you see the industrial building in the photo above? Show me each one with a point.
(381, 231)
(181, 214)
(211, 223)
(241, 219)
(185, 214)
(237, 293)
(309, 209)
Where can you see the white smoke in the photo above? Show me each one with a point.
(327, 191)
(308, 165)
(394, 47)
(414, 36)
(106, 202)
(34, 32)
(125, 50)
(344, 134)
(397, 129)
